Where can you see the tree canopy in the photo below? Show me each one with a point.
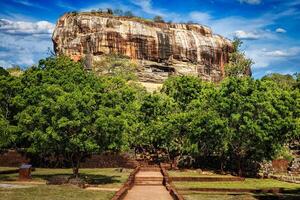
(239, 65)
(59, 110)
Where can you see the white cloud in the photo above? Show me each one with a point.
(25, 28)
(65, 5)
(146, 6)
(283, 53)
(251, 2)
(256, 36)
(229, 25)
(200, 17)
(247, 35)
(277, 53)
(5, 64)
(24, 42)
(280, 30)
(27, 42)
(27, 3)
(267, 55)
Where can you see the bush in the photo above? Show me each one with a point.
(158, 19)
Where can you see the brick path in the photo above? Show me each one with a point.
(148, 186)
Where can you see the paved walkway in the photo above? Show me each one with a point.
(148, 186)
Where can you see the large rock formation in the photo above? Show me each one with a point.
(161, 49)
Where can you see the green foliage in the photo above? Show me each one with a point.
(238, 65)
(9, 88)
(116, 65)
(7, 136)
(128, 14)
(183, 89)
(216, 118)
(158, 19)
(260, 113)
(297, 80)
(284, 81)
(3, 72)
(57, 109)
(284, 153)
(154, 110)
(66, 111)
(118, 12)
(110, 11)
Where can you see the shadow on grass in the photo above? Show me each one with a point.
(90, 179)
(287, 195)
(277, 197)
(267, 196)
(9, 177)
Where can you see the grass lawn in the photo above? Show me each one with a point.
(110, 178)
(249, 183)
(104, 177)
(7, 168)
(194, 173)
(50, 192)
(205, 196)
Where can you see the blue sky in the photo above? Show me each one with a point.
(269, 28)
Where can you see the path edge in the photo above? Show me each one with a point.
(121, 193)
(169, 185)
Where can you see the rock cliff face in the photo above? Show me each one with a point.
(161, 49)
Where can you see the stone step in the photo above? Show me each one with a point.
(148, 182)
(150, 169)
(148, 178)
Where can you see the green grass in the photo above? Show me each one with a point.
(47, 192)
(193, 173)
(249, 183)
(7, 168)
(105, 177)
(204, 196)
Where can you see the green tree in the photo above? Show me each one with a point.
(238, 65)
(260, 113)
(284, 81)
(158, 19)
(297, 75)
(9, 88)
(128, 14)
(208, 132)
(162, 125)
(183, 89)
(69, 112)
(154, 109)
(110, 11)
(118, 12)
(3, 72)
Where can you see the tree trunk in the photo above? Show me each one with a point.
(76, 171)
(169, 158)
(75, 166)
(222, 166)
(239, 168)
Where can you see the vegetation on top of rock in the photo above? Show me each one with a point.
(118, 13)
(158, 19)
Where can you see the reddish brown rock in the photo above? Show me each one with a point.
(161, 49)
